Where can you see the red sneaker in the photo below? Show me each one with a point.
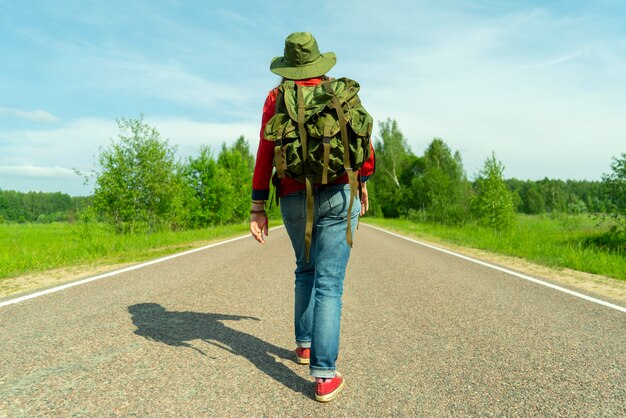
(325, 391)
(303, 355)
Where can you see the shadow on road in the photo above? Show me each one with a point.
(177, 329)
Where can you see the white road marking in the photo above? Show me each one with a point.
(124, 270)
(513, 273)
(170, 257)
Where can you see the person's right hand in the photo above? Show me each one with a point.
(365, 204)
(259, 225)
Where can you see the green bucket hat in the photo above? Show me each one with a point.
(302, 58)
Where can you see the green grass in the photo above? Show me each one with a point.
(563, 242)
(559, 242)
(31, 248)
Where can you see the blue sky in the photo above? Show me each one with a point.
(541, 84)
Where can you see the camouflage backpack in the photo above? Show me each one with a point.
(319, 133)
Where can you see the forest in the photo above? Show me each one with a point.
(139, 185)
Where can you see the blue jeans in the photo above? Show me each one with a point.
(319, 283)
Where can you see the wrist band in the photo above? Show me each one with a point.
(257, 212)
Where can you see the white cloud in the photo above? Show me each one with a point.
(190, 135)
(28, 153)
(36, 171)
(77, 143)
(70, 145)
(34, 115)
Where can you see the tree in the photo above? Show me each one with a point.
(614, 185)
(392, 149)
(443, 190)
(493, 203)
(236, 169)
(243, 148)
(11, 205)
(137, 182)
(220, 190)
(554, 195)
(201, 176)
(386, 188)
(534, 203)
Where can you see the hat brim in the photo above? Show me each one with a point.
(316, 69)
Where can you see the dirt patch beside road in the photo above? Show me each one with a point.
(31, 282)
(601, 286)
(587, 282)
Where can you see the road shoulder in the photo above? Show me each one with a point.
(591, 284)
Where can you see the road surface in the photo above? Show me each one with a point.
(424, 333)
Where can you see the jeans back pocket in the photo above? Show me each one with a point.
(293, 207)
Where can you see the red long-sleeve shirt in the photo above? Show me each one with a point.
(265, 155)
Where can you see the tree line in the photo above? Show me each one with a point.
(434, 187)
(139, 185)
(39, 206)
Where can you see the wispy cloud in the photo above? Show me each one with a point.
(116, 71)
(77, 143)
(36, 171)
(549, 63)
(170, 81)
(189, 135)
(34, 115)
(26, 154)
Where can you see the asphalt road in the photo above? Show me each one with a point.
(210, 334)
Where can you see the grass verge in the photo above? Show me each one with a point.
(32, 248)
(561, 242)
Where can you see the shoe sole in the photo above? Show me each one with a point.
(301, 360)
(331, 395)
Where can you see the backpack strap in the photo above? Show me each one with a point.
(301, 128)
(326, 145)
(310, 201)
(352, 175)
(279, 157)
(276, 189)
(280, 161)
(335, 104)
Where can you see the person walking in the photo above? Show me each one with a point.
(321, 262)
